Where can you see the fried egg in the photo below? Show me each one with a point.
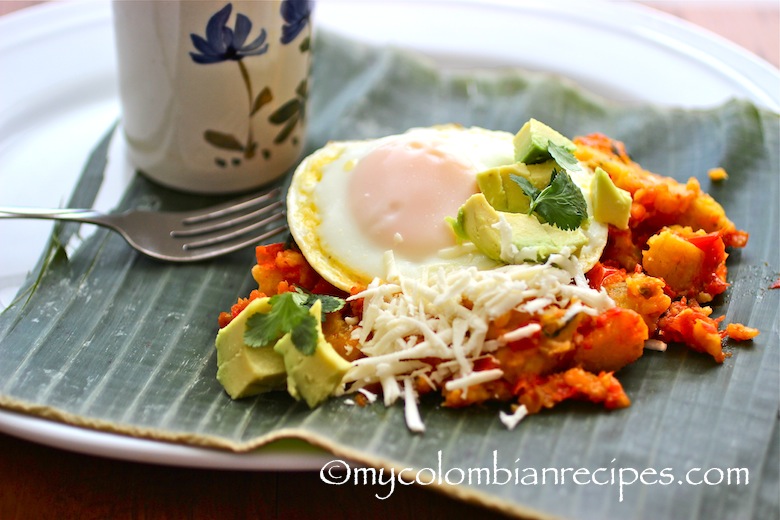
(351, 202)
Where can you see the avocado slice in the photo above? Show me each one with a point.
(243, 370)
(482, 224)
(533, 139)
(313, 377)
(504, 194)
(611, 205)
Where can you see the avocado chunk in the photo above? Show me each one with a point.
(611, 205)
(504, 194)
(532, 141)
(313, 377)
(243, 370)
(513, 237)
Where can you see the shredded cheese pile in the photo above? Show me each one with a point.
(445, 315)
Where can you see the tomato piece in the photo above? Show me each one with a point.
(711, 244)
(599, 273)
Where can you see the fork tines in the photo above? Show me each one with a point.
(238, 219)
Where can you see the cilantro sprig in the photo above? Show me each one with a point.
(560, 204)
(307, 299)
(563, 157)
(289, 313)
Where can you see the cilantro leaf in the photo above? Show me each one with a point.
(329, 303)
(528, 188)
(301, 297)
(304, 335)
(563, 157)
(561, 203)
(265, 329)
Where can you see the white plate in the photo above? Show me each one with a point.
(58, 96)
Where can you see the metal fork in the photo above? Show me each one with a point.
(185, 236)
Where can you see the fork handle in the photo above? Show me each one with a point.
(78, 215)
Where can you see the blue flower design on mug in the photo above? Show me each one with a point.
(296, 14)
(223, 43)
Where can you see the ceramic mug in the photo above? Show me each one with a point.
(213, 93)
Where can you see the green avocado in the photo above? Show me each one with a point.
(481, 223)
(532, 141)
(504, 194)
(244, 370)
(313, 377)
(611, 205)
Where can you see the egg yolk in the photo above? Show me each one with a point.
(401, 193)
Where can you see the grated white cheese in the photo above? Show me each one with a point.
(371, 396)
(655, 344)
(521, 333)
(445, 314)
(474, 378)
(511, 420)
(411, 412)
(390, 388)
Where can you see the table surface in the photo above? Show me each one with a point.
(42, 482)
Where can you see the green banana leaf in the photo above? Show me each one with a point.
(108, 339)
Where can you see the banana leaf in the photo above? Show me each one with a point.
(108, 339)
